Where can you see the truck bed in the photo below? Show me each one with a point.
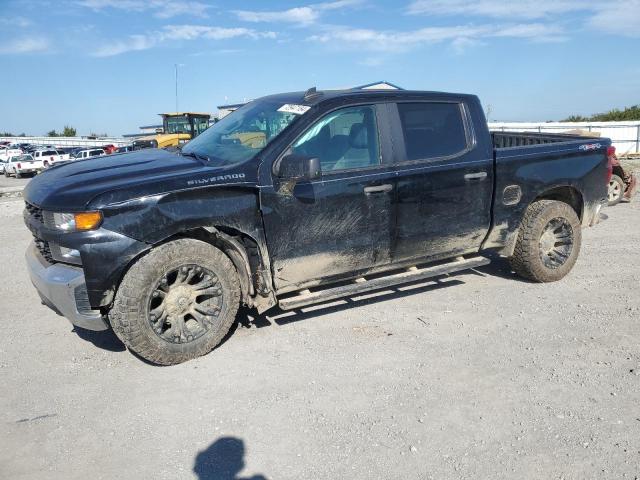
(521, 139)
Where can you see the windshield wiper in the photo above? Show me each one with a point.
(197, 156)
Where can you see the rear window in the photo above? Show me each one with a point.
(49, 152)
(432, 129)
(94, 153)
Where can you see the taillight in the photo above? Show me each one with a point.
(611, 158)
(19, 165)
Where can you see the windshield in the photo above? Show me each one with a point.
(178, 125)
(242, 134)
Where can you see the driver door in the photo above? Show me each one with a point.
(339, 225)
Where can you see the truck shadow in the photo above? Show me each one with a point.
(249, 318)
(499, 267)
(106, 339)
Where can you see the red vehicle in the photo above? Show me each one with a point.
(623, 183)
(109, 149)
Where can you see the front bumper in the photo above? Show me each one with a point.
(63, 289)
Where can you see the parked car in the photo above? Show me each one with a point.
(20, 165)
(298, 199)
(125, 149)
(3, 163)
(623, 183)
(88, 153)
(109, 149)
(49, 157)
(6, 152)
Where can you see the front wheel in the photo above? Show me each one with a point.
(176, 303)
(548, 242)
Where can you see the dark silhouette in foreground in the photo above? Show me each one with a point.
(222, 460)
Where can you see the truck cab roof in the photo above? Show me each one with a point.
(314, 97)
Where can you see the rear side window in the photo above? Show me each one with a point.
(95, 153)
(432, 129)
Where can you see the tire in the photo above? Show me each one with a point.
(548, 242)
(18, 174)
(152, 285)
(616, 190)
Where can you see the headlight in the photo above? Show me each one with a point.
(72, 222)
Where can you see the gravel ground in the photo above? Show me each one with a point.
(13, 182)
(479, 376)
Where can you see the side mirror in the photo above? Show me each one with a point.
(299, 167)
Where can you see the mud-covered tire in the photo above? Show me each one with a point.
(616, 190)
(530, 258)
(130, 314)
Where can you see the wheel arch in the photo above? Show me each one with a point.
(241, 248)
(564, 193)
(567, 194)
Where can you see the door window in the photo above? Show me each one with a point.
(343, 140)
(432, 129)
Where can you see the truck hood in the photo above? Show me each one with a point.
(72, 186)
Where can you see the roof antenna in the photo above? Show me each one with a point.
(311, 93)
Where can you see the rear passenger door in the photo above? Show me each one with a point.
(444, 183)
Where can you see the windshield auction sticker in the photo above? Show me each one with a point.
(293, 108)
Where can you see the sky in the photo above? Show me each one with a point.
(108, 66)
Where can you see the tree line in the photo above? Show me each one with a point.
(615, 115)
(67, 131)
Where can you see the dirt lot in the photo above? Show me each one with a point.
(479, 376)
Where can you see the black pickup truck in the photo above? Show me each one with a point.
(300, 198)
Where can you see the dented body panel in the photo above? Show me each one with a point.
(283, 236)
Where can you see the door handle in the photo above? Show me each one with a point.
(387, 187)
(476, 176)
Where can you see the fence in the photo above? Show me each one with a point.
(70, 141)
(625, 136)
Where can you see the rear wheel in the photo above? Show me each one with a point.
(616, 190)
(176, 303)
(548, 241)
(18, 174)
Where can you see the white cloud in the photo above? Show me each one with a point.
(304, 15)
(176, 32)
(24, 45)
(132, 44)
(160, 8)
(461, 36)
(619, 18)
(20, 22)
(616, 17)
(518, 9)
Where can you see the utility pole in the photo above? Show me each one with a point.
(176, 66)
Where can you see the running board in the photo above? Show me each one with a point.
(360, 285)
